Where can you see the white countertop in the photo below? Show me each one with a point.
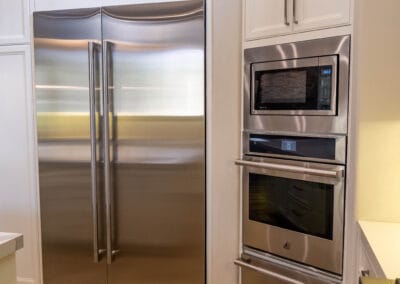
(384, 240)
(10, 243)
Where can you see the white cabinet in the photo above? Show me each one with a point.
(14, 22)
(316, 14)
(43, 5)
(18, 207)
(266, 18)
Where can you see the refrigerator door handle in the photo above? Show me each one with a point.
(93, 48)
(107, 110)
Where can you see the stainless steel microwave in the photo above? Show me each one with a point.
(298, 87)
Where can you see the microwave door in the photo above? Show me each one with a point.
(294, 87)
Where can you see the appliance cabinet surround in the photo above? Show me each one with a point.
(120, 119)
(276, 17)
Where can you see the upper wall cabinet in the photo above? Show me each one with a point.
(316, 14)
(43, 5)
(14, 22)
(266, 18)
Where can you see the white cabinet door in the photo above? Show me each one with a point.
(318, 14)
(14, 21)
(18, 206)
(43, 5)
(264, 18)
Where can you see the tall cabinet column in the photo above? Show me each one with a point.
(18, 197)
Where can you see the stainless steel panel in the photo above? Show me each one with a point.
(318, 252)
(156, 85)
(313, 123)
(260, 268)
(340, 149)
(63, 94)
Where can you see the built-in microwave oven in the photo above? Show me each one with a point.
(298, 87)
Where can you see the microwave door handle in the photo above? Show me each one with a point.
(294, 169)
(267, 272)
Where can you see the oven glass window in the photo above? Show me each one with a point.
(307, 88)
(296, 205)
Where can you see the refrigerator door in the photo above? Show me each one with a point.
(155, 55)
(67, 87)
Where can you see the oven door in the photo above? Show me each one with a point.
(294, 210)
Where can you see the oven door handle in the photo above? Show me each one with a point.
(267, 272)
(294, 169)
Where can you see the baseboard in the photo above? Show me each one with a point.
(21, 280)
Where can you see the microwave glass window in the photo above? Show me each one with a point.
(283, 87)
(306, 88)
(296, 205)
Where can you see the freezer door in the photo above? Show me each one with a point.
(155, 80)
(67, 87)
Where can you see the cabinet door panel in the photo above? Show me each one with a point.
(14, 21)
(266, 18)
(17, 175)
(317, 14)
(44, 5)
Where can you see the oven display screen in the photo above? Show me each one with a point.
(297, 205)
(288, 145)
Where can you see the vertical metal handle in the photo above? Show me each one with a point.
(97, 252)
(106, 143)
(286, 13)
(295, 12)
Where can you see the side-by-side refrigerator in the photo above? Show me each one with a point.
(120, 97)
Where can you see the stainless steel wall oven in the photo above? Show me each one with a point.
(294, 152)
(295, 210)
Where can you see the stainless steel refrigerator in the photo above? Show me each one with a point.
(120, 97)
